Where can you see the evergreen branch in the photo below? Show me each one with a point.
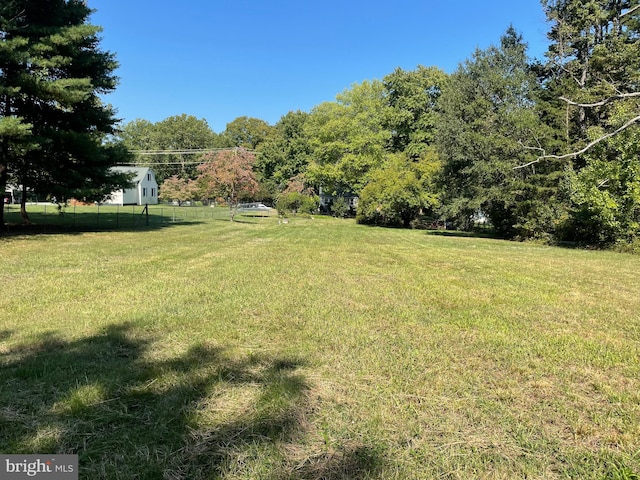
(582, 150)
(566, 70)
(602, 102)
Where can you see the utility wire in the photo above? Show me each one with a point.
(146, 164)
(186, 151)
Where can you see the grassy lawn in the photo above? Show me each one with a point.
(318, 349)
(47, 218)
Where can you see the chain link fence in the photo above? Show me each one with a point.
(49, 217)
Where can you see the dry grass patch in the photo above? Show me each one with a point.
(319, 349)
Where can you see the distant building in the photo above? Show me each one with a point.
(326, 201)
(143, 192)
(12, 194)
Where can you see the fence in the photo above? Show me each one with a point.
(49, 217)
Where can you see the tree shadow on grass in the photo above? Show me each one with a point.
(199, 415)
(236, 219)
(36, 228)
(463, 234)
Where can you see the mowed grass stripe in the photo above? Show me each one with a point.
(319, 349)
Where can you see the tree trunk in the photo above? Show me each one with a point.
(3, 188)
(4, 162)
(23, 207)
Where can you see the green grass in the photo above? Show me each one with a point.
(318, 349)
(47, 218)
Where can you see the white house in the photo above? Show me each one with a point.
(144, 191)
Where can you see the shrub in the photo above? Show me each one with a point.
(340, 207)
(295, 202)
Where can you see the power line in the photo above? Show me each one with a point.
(186, 151)
(145, 164)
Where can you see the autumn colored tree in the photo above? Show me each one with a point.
(178, 189)
(228, 174)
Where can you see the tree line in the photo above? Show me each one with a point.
(539, 149)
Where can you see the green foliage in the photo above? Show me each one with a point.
(285, 154)
(595, 68)
(503, 129)
(340, 207)
(348, 138)
(488, 116)
(179, 132)
(246, 132)
(296, 202)
(605, 194)
(52, 77)
(399, 191)
(413, 98)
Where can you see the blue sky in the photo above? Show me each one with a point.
(220, 60)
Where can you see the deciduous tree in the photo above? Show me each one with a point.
(178, 135)
(178, 189)
(228, 174)
(246, 132)
(285, 154)
(399, 191)
(348, 138)
(413, 97)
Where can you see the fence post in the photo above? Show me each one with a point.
(146, 209)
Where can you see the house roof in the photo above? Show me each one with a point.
(139, 172)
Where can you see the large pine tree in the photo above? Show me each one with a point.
(487, 114)
(52, 121)
(594, 78)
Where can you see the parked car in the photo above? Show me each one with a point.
(253, 207)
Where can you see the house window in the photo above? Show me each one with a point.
(149, 176)
(153, 192)
(144, 191)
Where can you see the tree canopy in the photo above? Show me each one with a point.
(228, 174)
(542, 148)
(178, 135)
(53, 122)
(348, 137)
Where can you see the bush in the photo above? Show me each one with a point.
(295, 202)
(340, 208)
